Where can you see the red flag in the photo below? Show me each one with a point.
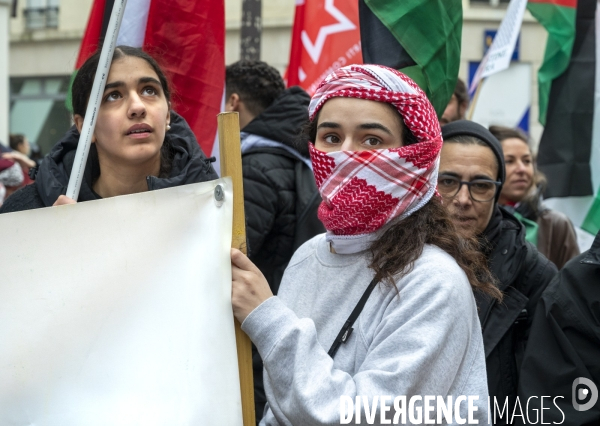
(188, 40)
(325, 37)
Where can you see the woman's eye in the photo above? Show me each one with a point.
(446, 182)
(149, 91)
(372, 142)
(331, 139)
(112, 96)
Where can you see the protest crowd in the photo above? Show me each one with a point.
(394, 246)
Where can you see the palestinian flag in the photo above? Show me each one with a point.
(325, 37)
(420, 38)
(187, 38)
(558, 17)
(569, 151)
(328, 35)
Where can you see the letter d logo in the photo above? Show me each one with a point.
(582, 388)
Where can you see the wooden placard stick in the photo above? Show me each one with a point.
(473, 104)
(231, 165)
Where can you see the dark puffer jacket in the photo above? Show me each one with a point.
(275, 174)
(271, 183)
(523, 274)
(565, 345)
(190, 165)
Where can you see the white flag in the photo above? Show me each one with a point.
(498, 55)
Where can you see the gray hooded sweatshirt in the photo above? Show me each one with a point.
(421, 338)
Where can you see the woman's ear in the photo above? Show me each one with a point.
(169, 114)
(78, 119)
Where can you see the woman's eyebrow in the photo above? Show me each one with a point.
(148, 80)
(142, 80)
(328, 125)
(114, 84)
(371, 126)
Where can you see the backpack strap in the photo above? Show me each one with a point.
(347, 329)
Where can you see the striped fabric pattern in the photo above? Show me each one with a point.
(362, 191)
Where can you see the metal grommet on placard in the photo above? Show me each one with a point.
(219, 195)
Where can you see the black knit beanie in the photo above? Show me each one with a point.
(470, 128)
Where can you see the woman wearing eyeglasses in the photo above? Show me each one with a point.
(470, 179)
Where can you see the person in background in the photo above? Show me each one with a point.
(280, 196)
(20, 143)
(375, 152)
(457, 107)
(11, 178)
(565, 345)
(551, 231)
(21, 149)
(138, 145)
(470, 179)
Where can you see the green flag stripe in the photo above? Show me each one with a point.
(591, 223)
(69, 99)
(559, 21)
(431, 34)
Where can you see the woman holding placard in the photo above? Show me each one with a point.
(139, 144)
(391, 257)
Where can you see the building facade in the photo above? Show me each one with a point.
(45, 37)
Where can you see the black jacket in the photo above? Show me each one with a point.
(190, 165)
(272, 176)
(278, 189)
(565, 343)
(523, 274)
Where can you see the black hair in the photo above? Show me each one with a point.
(82, 84)
(82, 87)
(257, 84)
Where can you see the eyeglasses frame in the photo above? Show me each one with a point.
(463, 182)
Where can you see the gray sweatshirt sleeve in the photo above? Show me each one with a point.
(419, 346)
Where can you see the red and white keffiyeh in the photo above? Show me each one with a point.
(363, 191)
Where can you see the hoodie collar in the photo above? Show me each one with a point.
(190, 165)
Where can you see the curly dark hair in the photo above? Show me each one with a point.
(257, 84)
(429, 225)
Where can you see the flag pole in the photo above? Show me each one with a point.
(91, 112)
(473, 104)
(231, 165)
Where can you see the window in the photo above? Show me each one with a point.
(40, 14)
(37, 109)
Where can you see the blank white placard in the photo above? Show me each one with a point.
(118, 312)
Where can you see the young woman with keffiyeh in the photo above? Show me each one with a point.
(375, 156)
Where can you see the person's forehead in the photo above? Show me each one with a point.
(130, 67)
(468, 161)
(515, 145)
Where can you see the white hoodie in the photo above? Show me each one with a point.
(424, 339)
